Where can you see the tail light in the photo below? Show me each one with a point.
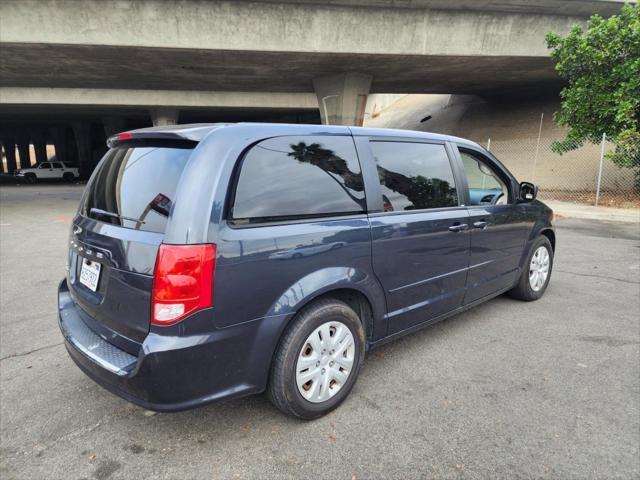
(183, 282)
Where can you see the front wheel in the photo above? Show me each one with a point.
(535, 277)
(30, 178)
(318, 360)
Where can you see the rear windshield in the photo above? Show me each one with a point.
(135, 187)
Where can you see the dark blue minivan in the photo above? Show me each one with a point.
(208, 262)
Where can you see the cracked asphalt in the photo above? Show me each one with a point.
(549, 389)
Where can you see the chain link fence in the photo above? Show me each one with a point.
(585, 175)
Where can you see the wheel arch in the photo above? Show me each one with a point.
(356, 300)
(540, 229)
(357, 288)
(550, 234)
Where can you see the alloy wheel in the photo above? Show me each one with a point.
(539, 268)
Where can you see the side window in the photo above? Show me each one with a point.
(485, 186)
(57, 165)
(296, 177)
(45, 165)
(414, 176)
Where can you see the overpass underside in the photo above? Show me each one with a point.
(104, 66)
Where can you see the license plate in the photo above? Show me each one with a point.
(90, 274)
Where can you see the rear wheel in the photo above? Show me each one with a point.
(68, 177)
(318, 360)
(30, 178)
(535, 277)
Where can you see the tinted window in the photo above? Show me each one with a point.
(138, 185)
(290, 177)
(56, 165)
(45, 165)
(414, 176)
(485, 186)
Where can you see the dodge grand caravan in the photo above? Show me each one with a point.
(208, 262)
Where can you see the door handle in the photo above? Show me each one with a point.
(481, 225)
(459, 227)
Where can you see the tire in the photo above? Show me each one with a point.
(524, 289)
(283, 390)
(68, 177)
(30, 178)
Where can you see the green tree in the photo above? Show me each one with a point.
(602, 68)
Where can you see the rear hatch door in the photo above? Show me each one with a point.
(116, 235)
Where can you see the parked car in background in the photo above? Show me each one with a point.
(53, 170)
(208, 262)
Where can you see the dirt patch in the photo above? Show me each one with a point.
(607, 199)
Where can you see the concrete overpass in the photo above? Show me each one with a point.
(120, 63)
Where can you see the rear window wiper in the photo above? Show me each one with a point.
(98, 211)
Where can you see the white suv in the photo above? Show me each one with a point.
(48, 171)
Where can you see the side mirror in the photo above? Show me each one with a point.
(528, 192)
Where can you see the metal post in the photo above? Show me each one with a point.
(604, 138)
(535, 159)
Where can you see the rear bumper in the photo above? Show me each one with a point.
(169, 373)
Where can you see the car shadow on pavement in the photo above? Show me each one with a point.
(255, 412)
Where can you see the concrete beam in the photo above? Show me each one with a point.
(250, 26)
(154, 98)
(342, 98)
(540, 7)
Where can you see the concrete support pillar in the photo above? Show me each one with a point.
(59, 136)
(113, 125)
(2, 158)
(10, 152)
(23, 141)
(82, 134)
(164, 116)
(39, 139)
(342, 98)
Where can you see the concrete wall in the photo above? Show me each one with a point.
(513, 125)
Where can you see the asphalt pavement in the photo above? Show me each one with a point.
(548, 389)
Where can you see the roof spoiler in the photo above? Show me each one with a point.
(175, 135)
